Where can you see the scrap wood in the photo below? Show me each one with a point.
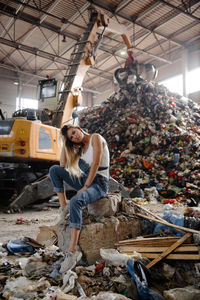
(160, 241)
(169, 250)
(182, 256)
(178, 228)
(154, 249)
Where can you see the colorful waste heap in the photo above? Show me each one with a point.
(154, 140)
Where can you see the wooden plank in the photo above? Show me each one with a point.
(129, 249)
(168, 224)
(149, 239)
(173, 256)
(152, 242)
(169, 250)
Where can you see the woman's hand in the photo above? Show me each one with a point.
(81, 190)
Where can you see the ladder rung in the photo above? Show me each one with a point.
(82, 42)
(70, 75)
(74, 64)
(78, 52)
(64, 91)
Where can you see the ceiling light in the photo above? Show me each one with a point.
(16, 83)
(123, 52)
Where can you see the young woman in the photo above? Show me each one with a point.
(84, 166)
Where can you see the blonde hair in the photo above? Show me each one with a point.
(73, 152)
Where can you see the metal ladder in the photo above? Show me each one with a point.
(75, 59)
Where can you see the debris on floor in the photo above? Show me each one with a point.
(120, 273)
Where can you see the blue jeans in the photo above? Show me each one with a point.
(98, 189)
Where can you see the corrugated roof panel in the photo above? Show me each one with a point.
(189, 34)
(134, 8)
(177, 23)
(156, 16)
(4, 51)
(67, 9)
(36, 38)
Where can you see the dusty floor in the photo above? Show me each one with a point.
(33, 219)
(30, 227)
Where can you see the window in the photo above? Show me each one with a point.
(26, 103)
(193, 81)
(174, 84)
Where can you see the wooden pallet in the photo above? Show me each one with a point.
(158, 248)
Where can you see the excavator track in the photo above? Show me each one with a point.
(23, 184)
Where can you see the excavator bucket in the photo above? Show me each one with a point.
(136, 71)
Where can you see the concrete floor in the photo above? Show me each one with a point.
(33, 219)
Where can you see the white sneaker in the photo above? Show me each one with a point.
(62, 214)
(70, 261)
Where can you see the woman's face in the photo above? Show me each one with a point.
(75, 135)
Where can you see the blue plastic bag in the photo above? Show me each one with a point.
(173, 218)
(140, 280)
(19, 246)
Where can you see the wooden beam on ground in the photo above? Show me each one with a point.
(169, 250)
(149, 249)
(158, 241)
(182, 256)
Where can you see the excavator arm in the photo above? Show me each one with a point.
(82, 57)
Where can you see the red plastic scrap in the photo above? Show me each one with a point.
(99, 268)
(20, 221)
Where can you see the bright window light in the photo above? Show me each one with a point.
(174, 84)
(193, 81)
(26, 103)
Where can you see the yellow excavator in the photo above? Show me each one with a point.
(29, 147)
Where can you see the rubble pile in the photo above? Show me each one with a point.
(154, 140)
(37, 277)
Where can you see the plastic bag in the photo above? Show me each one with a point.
(140, 280)
(113, 257)
(173, 218)
(19, 246)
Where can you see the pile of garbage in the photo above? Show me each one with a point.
(115, 277)
(154, 140)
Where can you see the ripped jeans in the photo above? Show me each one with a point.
(98, 189)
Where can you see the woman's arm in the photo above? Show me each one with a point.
(97, 144)
(63, 159)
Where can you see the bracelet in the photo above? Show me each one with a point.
(87, 186)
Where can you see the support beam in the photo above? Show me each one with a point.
(122, 5)
(180, 10)
(9, 11)
(34, 51)
(128, 18)
(185, 72)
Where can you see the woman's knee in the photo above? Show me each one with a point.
(76, 202)
(54, 169)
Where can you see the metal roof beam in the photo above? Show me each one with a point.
(130, 19)
(46, 13)
(34, 51)
(122, 5)
(180, 10)
(36, 21)
(54, 36)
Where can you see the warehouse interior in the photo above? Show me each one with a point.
(37, 38)
(129, 71)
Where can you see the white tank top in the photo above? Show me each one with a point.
(105, 159)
